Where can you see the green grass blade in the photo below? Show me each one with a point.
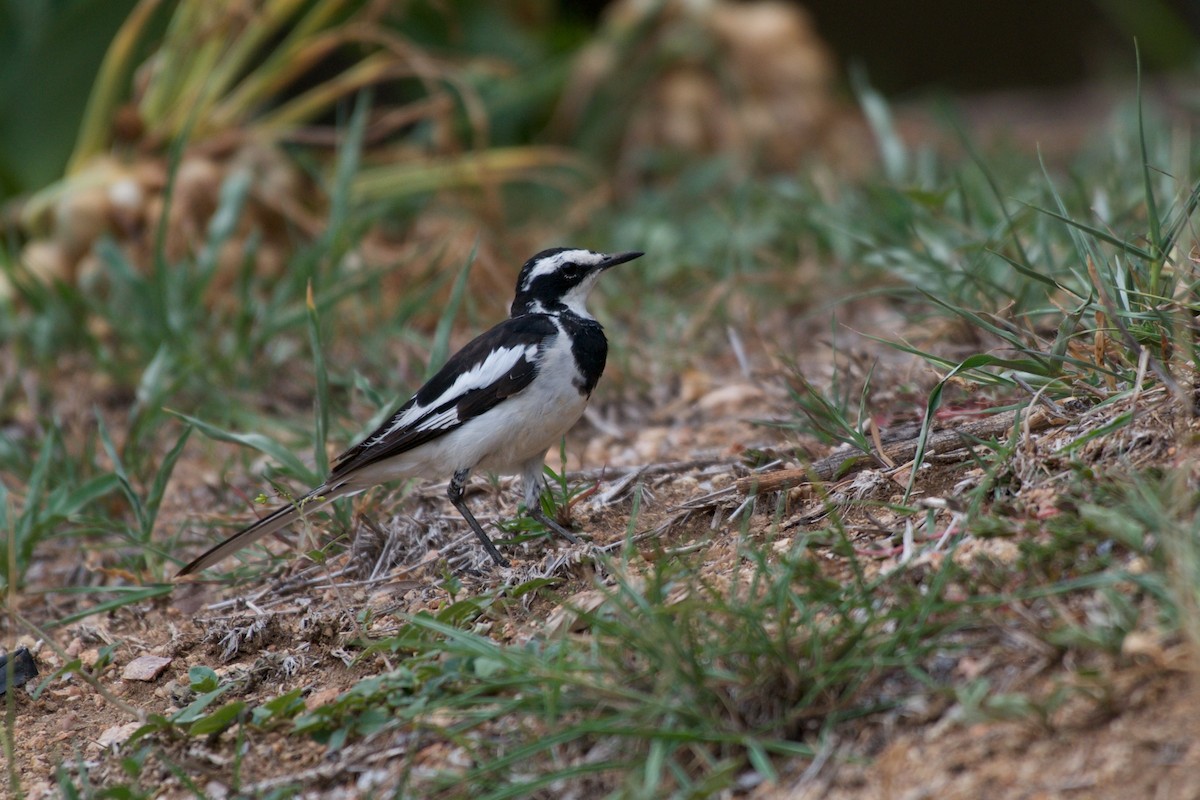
(1152, 217)
(1093, 231)
(127, 488)
(25, 528)
(994, 186)
(349, 158)
(892, 150)
(155, 382)
(1033, 274)
(975, 362)
(231, 201)
(441, 337)
(1115, 424)
(1040, 363)
(321, 404)
(255, 441)
(126, 595)
(162, 477)
(1177, 221)
(71, 501)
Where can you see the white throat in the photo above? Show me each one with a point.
(576, 299)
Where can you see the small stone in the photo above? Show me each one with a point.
(145, 668)
(117, 734)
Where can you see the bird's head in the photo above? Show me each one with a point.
(562, 277)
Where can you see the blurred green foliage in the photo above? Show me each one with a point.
(49, 52)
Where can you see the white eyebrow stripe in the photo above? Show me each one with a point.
(491, 369)
(549, 265)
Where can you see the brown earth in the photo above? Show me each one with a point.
(295, 624)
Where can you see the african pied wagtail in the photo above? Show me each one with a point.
(498, 404)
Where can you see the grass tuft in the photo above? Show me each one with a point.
(679, 685)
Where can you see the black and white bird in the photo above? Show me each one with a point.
(498, 404)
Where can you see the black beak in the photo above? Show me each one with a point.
(619, 258)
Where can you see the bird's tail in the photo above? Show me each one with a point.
(277, 519)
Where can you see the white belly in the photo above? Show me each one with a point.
(518, 429)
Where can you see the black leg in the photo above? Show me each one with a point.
(534, 485)
(456, 498)
(537, 513)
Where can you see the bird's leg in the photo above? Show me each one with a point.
(455, 492)
(531, 479)
(537, 514)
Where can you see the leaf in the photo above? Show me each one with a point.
(321, 405)
(152, 384)
(202, 679)
(348, 158)
(1033, 274)
(154, 724)
(72, 501)
(195, 709)
(135, 501)
(1098, 233)
(280, 708)
(1118, 422)
(441, 337)
(159, 487)
(24, 524)
(234, 191)
(218, 720)
(126, 595)
(522, 589)
(1147, 187)
(760, 760)
(977, 361)
(485, 668)
(255, 441)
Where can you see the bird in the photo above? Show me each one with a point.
(498, 404)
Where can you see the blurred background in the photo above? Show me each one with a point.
(204, 163)
(50, 52)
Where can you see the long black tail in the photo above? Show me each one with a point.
(279, 518)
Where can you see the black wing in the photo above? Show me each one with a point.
(495, 365)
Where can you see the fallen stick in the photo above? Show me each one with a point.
(840, 464)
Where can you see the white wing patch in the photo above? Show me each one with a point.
(443, 419)
(491, 369)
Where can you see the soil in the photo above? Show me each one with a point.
(294, 625)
